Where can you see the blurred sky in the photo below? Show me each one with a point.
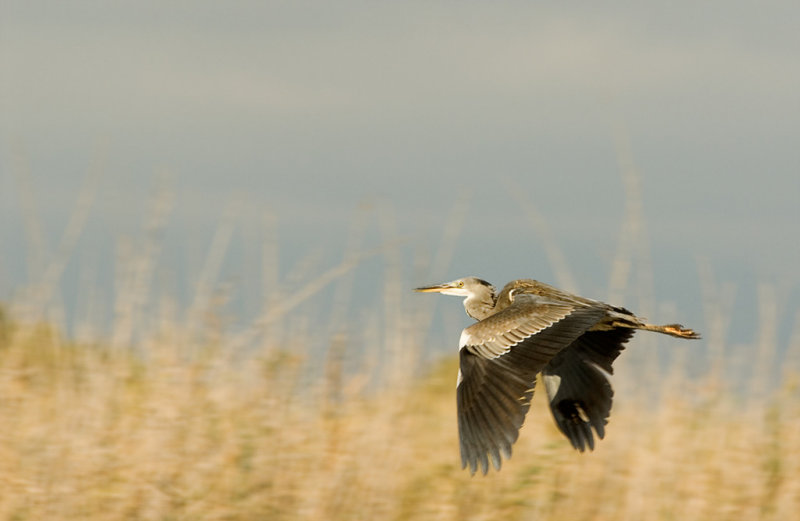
(314, 113)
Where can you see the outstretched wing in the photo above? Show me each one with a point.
(577, 387)
(499, 359)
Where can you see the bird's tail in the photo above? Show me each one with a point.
(672, 330)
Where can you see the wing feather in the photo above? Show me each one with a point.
(495, 335)
(499, 373)
(583, 397)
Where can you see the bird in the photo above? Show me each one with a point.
(528, 328)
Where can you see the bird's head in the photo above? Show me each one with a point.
(480, 296)
(466, 287)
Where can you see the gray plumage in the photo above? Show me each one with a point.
(526, 329)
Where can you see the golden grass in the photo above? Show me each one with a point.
(180, 432)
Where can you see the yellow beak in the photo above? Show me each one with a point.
(434, 289)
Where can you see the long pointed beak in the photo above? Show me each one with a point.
(438, 288)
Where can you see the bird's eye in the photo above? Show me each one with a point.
(460, 283)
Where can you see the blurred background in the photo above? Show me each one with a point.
(285, 172)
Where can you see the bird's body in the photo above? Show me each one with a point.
(528, 328)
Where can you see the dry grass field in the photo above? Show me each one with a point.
(173, 415)
(183, 429)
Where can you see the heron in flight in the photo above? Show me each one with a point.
(526, 329)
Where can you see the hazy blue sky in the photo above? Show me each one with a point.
(307, 110)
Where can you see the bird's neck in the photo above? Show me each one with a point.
(479, 307)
